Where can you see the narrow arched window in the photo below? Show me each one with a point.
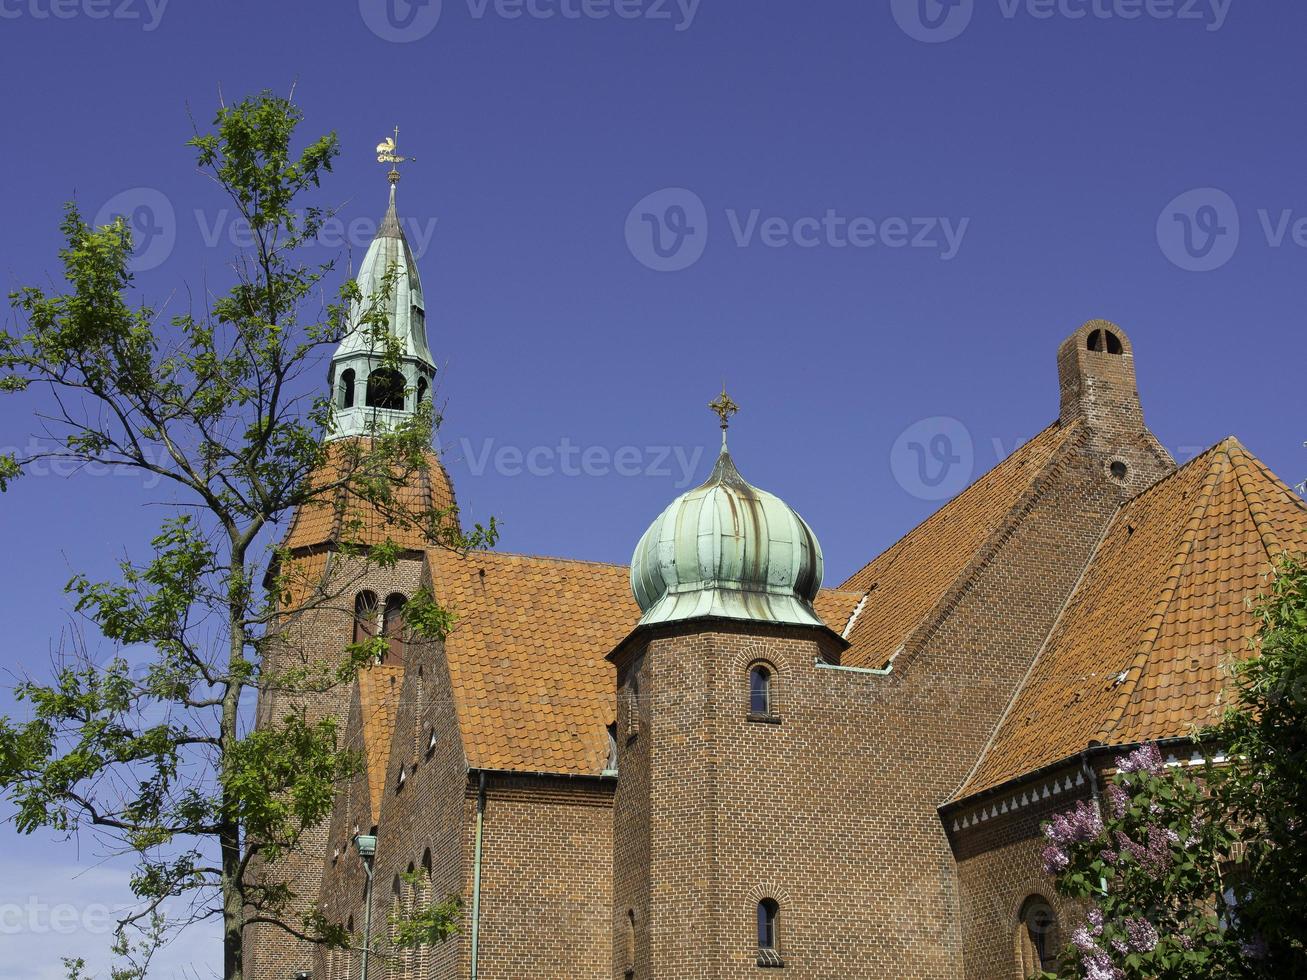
(365, 616)
(611, 766)
(1036, 937)
(633, 704)
(345, 396)
(386, 389)
(630, 943)
(760, 690)
(768, 948)
(393, 627)
(422, 390)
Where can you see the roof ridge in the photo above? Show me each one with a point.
(1180, 559)
(373, 704)
(990, 543)
(1055, 424)
(1177, 470)
(1244, 461)
(1017, 689)
(541, 558)
(857, 611)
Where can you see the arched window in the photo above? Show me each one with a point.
(760, 690)
(422, 390)
(611, 766)
(633, 703)
(1104, 342)
(424, 894)
(365, 616)
(1036, 938)
(345, 394)
(386, 389)
(393, 628)
(397, 911)
(768, 948)
(630, 943)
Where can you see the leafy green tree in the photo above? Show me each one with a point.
(1264, 792)
(1189, 876)
(161, 761)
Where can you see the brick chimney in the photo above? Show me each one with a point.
(1096, 369)
(1096, 373)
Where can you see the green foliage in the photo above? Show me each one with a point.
(148, 748)
(427, 926)
(427, 618)
(132, 958)
(1265, 793)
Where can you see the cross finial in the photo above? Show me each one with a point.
(723, 406)
(386, 153)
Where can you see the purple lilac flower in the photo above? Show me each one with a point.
(1083, 941)
(1146, 758)
(1117, 799)
(1099, 966)
(1154, 857)
(1184, 941)
(1120, 946)
(1108, 856)
(1095, 918)
(1081, 823)
(1055, 859)
(1142, 934)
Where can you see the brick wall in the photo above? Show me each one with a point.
(546, 876)
(1000, 867)
(317, 635)
(546, 879)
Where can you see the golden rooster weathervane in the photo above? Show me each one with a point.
(386, 154)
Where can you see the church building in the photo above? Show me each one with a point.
(712, 764)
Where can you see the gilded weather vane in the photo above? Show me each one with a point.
(386, 154)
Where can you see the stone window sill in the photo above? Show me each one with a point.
(764, 719)
(770, 958)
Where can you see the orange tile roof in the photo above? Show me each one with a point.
(343, 516)
(906, 582)
(533, 689)
(1137, 653)
(301, 577)
(378, 693)
(835, 607)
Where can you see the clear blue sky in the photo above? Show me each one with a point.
(795, 152)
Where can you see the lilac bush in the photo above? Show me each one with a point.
(1145, 859)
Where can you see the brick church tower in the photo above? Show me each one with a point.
(370, 397)
(725, 578)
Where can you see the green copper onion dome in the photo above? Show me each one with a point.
(727, 549)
